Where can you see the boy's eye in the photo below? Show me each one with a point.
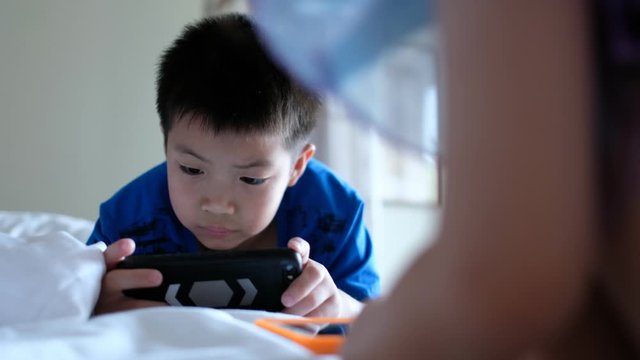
(252, 181)
(190, 171)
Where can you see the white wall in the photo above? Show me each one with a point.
(408, 230)
(77, 92)
(78, 120)
(399, 229)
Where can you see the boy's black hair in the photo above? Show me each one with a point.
(219, 71)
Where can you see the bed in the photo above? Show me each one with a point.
(49, 281)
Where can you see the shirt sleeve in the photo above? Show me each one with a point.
(101, 231)
(352, 268)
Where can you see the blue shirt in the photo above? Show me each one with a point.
(321, 208)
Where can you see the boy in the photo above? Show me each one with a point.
(239, 174)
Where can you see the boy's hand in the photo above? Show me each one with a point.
(314, 293)
(115, 280)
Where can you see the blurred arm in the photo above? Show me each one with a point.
(514, 255)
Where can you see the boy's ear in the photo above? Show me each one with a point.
(301, 163)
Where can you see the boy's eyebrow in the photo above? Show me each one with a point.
(254, 164)
(186, 150)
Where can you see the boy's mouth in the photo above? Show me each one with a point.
(217, 232)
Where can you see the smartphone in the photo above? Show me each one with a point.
(230, 279)
(322, 335)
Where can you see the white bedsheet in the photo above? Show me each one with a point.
(49, 282)
(32, 223)
(154, 333)
(48, 276)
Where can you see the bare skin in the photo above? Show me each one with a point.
(510, 272)
(115, 280)
(314, 293)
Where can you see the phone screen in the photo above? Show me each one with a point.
(319, 329)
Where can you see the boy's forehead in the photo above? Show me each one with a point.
(192, 135)
(195, 122)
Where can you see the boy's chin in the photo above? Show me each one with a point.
(255, 242)
(215, 244)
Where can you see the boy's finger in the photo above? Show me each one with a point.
(122, 279)
(139, 304)
(126, 304)
(300, 246)
(117, 251)
(326, 309)
(309, 303)
(303, 285)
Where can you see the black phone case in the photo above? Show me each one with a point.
(233, 279)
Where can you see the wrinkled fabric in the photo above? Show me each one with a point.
(49, 276)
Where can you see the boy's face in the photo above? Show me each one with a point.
(226, 188)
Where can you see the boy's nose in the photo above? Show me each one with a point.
(217, 206)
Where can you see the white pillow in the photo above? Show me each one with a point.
(27, 223)
(47, 277)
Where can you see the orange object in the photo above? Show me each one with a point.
(322, 335)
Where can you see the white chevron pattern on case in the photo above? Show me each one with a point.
(250, 292)
(170, 296)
